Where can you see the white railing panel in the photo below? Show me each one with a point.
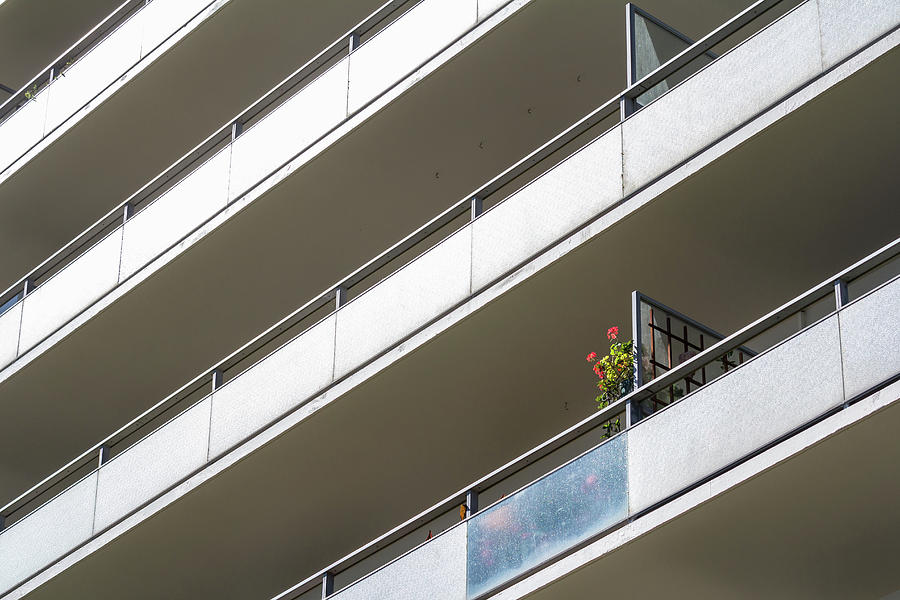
(434, 571)
(736, 414)
(849, 26)
(403, 302)
(408, 42)
(722, 96)
(176, 213)
(23, 129)
(547, 208)
(9, 334)
(162, 18)
(48, 533)
(152, 465)
(272, 387)
(92, 72)
(870, 339)
(71, 290)
(310, 113)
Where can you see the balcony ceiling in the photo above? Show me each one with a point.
(34, 32)
(780, 213)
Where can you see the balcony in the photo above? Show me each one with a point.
(163, 62)
(33, 33)
(173, 265)
(802, 380)
(350, 418)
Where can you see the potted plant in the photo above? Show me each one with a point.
(615, 375)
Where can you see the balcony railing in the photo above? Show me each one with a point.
(194, 399)
(335, 84)
(86, 69)
(580, 499)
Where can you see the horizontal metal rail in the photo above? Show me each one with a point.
(232, 127)
(86, 42)
(471, 204)
(592, 422)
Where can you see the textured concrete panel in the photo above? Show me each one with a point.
(9, 334)
(272, 387)
(153, 465)
(870, 339)
(162, 18)
(48, 533)
(548, 208)
(23, 129)
(91, 73)
(408, 42)
(486, 7)
(176, 213)
(849, 26)
(70, 291)
(735, 415)
(433, 571)
(722, 96)
(403, 302)
(286, 131)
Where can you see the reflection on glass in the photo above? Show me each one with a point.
(544, 519)
(668, 340)
(653, 46)
(9, 303)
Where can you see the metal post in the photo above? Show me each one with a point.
(237, 128)
(327, 584)
(626, 104)
(477, 207)
(127, 212)
(216, 378)
(840, 294)
(353, 41)
(630, 417)
(340, 296)
(103, 455)
(27, 286)
(471, 502)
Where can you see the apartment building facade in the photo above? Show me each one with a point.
(300, 293)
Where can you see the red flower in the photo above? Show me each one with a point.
(591, 356)
(597, 369)
(602, 374)
(612, 333)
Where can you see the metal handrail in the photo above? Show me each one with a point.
(592, 422)
(124, 209)
(470, 203)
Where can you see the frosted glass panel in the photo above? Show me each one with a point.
(551, 515)
(94, 71)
